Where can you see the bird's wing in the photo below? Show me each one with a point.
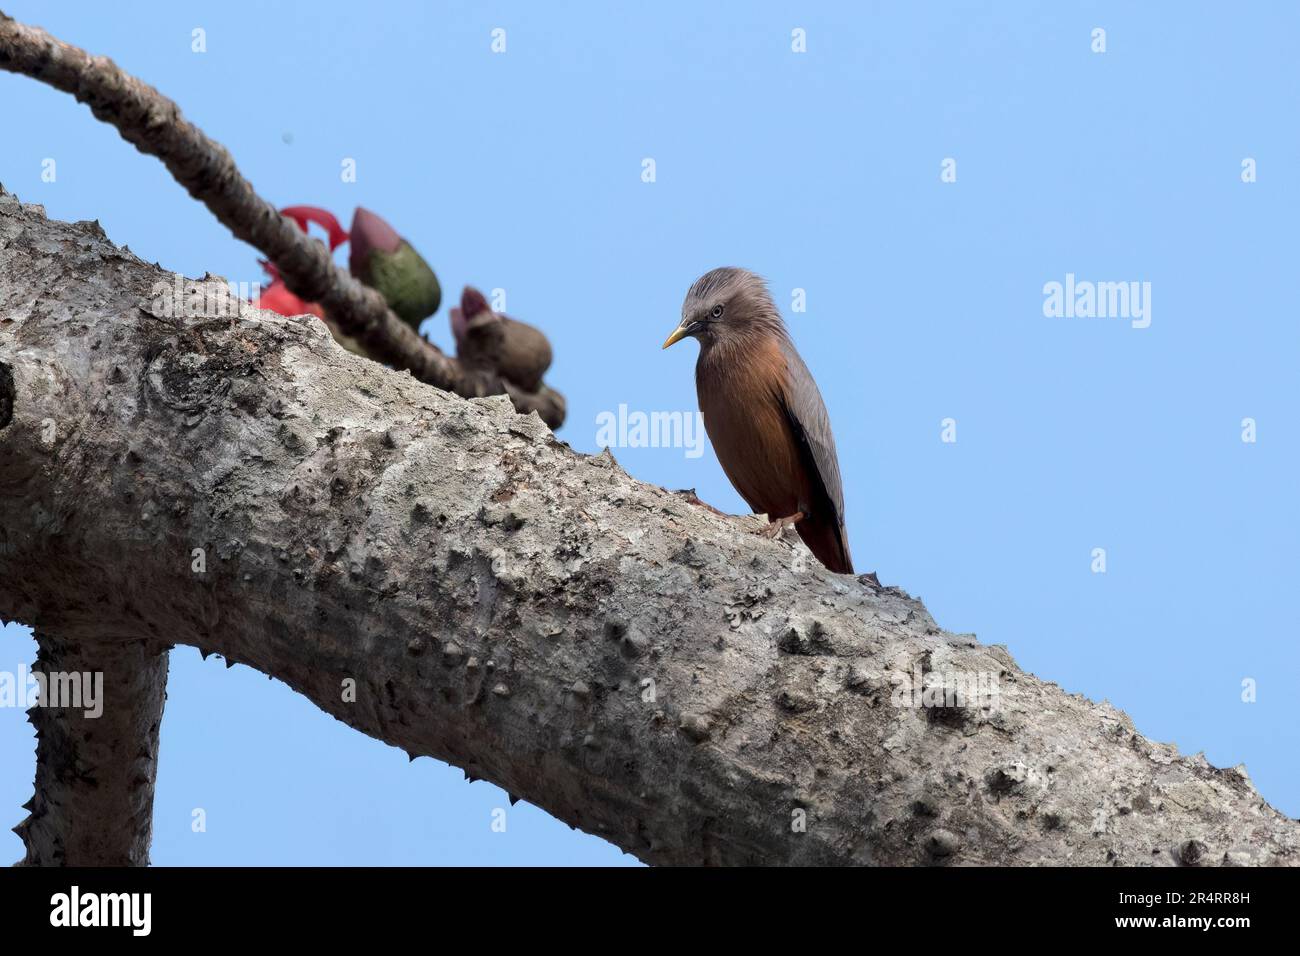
(812, 426)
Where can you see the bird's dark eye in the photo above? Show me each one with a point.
(717, 312)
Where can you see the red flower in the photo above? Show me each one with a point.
(277, 296)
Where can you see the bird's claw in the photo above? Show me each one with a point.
(776, 527)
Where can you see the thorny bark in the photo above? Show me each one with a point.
(154, 125)
(633, 663)
(93, 801)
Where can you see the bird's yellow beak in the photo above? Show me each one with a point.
(679, 333)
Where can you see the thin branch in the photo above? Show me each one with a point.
(154, 125)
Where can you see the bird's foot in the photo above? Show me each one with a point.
(776, 527)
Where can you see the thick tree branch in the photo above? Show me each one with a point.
(96, 752)
(154, 125)
(634, 663)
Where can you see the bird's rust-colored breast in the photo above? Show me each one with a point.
(740, 398)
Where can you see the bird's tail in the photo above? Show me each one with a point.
(828, 542)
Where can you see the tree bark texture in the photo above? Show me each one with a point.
(446, 576)
(93, 800)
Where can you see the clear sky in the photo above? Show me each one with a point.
(823, 171)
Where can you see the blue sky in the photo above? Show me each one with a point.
(821, 170)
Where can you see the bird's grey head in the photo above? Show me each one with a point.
(725, 305)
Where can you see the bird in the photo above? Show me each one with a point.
(763, 412)
(523, 353)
